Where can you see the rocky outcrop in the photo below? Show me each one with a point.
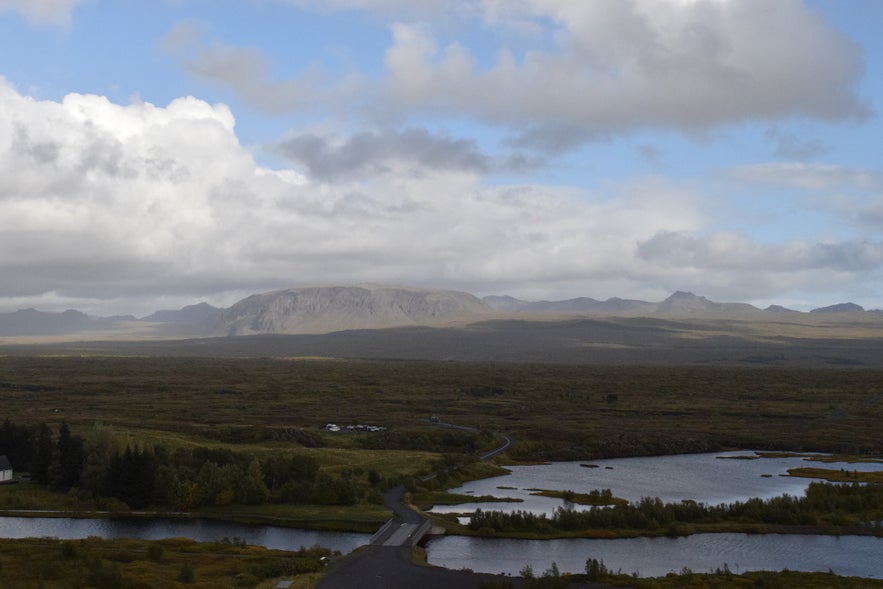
(325, 309)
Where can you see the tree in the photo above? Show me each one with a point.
(595, 569)
(131, 477)
(254, 491)
(100, 448)
(67, 462)
(42, 455)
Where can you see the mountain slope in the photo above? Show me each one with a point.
(33, 322)
(688, 303)
(334, 308)
(840, 308)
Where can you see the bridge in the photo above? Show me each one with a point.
(385, 562)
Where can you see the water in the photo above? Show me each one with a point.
(196, 529)
(700, 477)
(710, 478)
(652, 557)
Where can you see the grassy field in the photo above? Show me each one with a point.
(553, 411)
(136, 564)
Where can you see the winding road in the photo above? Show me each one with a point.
(385, 563)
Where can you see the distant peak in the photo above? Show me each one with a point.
(840, 308)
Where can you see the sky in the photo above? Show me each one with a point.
(159, 153)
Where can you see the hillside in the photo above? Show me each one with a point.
(327, 309)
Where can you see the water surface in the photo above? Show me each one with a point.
(157, 529)
(858, 556)
(711, 478)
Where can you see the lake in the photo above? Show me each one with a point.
(715, 477)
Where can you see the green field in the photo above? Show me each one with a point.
(554, 411)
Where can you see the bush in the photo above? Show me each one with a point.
(186, 574)
(155, 552)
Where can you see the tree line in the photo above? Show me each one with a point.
(822, 504)
(101, 464)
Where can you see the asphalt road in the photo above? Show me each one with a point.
(386, 564)
(389, 567)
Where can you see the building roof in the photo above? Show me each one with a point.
(4, 463)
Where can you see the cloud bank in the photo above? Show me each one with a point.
(104, 204)
(575, 71)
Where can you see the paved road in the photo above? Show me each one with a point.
(389, 567)
(386, 564)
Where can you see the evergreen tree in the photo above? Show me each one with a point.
(42, 454)
(67, 461)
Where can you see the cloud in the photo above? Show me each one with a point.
(368, 153)
(110, 208)
(246, 70)
(51, 12)
(119, 203)
(807, 176)
(589, 70)
(731, 266)
(733, 251)
(617, 66)
(791, 146)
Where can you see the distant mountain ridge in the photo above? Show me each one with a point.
(678, 303)
(337, 308)
(325, 309)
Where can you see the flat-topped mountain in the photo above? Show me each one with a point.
(325, 309)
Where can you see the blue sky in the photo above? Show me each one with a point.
(155, 153)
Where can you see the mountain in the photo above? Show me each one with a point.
(192, 314)
(33, 322)
(505, 303)
(686, 302)
(325, 309)
(840, 308)
(678, 303)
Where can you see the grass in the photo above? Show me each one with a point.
(34, 498)
(838, 476)
(553, 412)
(579, 498)
(426, 500)
(779, 580)
(139, 564)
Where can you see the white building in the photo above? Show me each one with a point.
(5, 470)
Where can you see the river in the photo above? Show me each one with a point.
(201, 530)
(652, 557)
(709, 478)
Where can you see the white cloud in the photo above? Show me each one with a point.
(807, 176)
(124, 205)
(54, 12)
(121, 202)
(622, 65)
(589, 70)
